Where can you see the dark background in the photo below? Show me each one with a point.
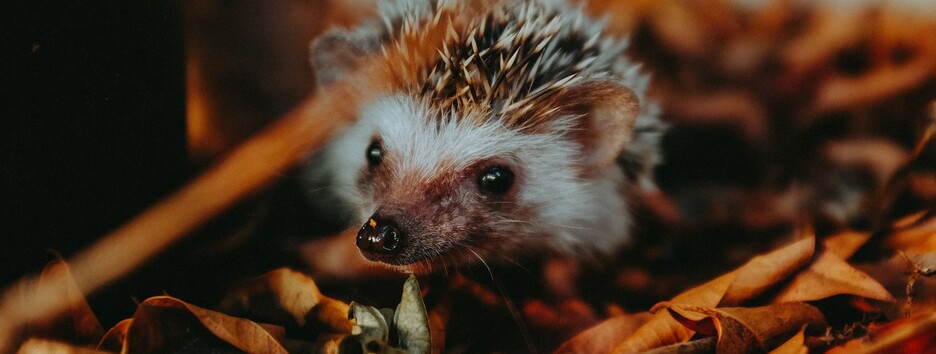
(92, 122)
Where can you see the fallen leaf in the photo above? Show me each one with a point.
(78, 325)
(827, 276)
(604, 336)
(288, 297)
(662, 329)
(411, 320)
(114, 338)
(371, 331)
(743, 329)
(794, 345)
(163, 324)
(369, 323)
(765, 271)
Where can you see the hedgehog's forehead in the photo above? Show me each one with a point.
(420, 139)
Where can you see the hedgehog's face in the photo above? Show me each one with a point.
(437, 187)
(448, 190)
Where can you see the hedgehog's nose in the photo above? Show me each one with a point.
(379, 237)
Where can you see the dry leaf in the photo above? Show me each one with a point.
(371, 331)
(662, 330)
(162, 324)
(603, 337)
(744, 330)
(765, 271)
(411, 320)
(829, 275)
(288, 297)
(114, 338)
(79, 325)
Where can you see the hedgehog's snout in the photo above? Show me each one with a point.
(380, 238)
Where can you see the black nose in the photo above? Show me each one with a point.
(380, 237)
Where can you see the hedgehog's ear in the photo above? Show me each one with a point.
(605, 113)
(337, 53)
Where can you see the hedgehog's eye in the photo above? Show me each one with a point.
(496, 180)
(374, 153)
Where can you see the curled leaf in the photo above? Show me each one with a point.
(369, 324)
(662, 329)
(756, 276)
(165, 324)
(287, 297)
(744, 330)
(114, 338)
(411, 320)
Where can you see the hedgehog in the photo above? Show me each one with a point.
(508, 128)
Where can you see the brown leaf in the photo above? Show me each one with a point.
(663, 330)
(114, 338)
(765, 271)
(163, 324)
(829, 275)
(742, 329)
(287, 297)
(604, 336)
(79, 325)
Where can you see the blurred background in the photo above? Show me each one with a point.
(779, 110)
